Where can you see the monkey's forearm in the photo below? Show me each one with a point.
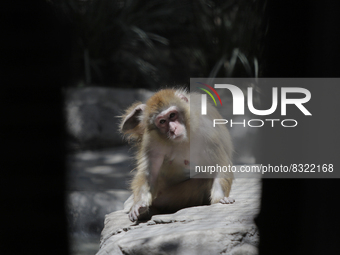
(140, 188)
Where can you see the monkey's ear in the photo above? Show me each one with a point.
(132, 118)
(183, 97)
(182, 94)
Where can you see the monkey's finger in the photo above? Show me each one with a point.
(130, 216)
(133, 215)
(227, 200)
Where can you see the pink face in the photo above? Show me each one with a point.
(170, 122)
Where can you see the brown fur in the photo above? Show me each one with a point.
(173, 189)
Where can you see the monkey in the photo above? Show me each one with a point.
(161, 130)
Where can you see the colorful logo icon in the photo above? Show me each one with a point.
(213, 90)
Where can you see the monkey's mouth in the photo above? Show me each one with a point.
(177, 138)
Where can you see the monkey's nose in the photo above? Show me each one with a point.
(173, 131)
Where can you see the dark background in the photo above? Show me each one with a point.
(297, 216)
(34, 67)
(300, 216)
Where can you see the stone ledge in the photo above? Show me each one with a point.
(215, 229)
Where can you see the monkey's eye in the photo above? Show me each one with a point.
(161, 121)
(172, 115)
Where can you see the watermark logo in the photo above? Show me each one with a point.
(239, 103)
(213, 90)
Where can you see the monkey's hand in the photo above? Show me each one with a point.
(227, 200)
(138, 208)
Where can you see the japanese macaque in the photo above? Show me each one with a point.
(162, 129)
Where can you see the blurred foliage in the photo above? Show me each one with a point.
(148, 44)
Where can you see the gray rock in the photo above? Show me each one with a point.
(97, 185)
(100, 170)
(86, 209)
(91, 114)
(214, 229)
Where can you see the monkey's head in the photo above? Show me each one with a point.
(166, 114)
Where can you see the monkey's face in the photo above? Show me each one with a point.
(170, 123)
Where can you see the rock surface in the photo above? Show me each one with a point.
(91, 114)
(97, 185)
(215, 229)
